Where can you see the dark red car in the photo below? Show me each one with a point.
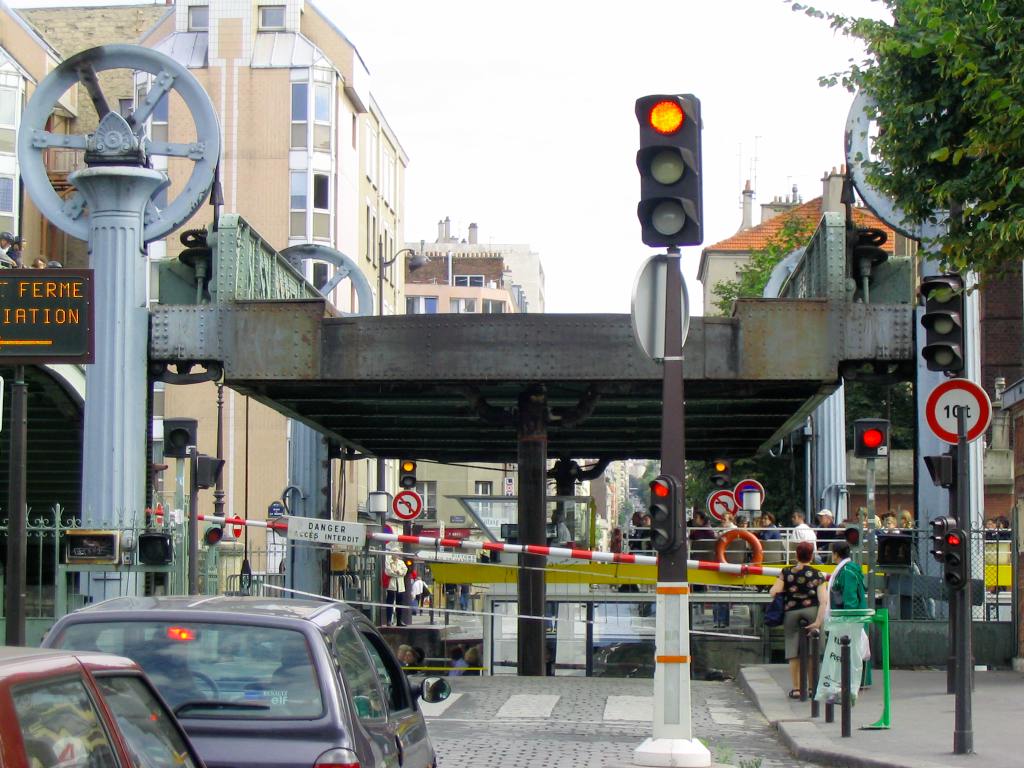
(60, 709)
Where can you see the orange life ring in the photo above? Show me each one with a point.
(739, 533)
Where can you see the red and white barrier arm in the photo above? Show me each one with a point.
(574, 554)
(525, 549)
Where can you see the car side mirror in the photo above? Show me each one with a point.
(434, 689)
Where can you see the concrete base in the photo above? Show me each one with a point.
(1018, 664)
(681, 753)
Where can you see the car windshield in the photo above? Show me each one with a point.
(212, 670)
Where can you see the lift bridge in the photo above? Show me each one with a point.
(495, 387)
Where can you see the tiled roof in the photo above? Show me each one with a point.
(758, 237)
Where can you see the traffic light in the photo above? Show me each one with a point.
(943, 321)
(870, 438)
(666, 514)
(852, 536)
(670, 209)
(213, 535)
(179, 434)
(942, 468)
(940, 527)
(721, 472)
(208, 469)
(954, 569)
(407, 474)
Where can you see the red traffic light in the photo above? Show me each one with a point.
(953, 539)
(181, 634)
(666, 117)
(660, 489)
(872, 438)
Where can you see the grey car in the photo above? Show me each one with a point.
(267, 683)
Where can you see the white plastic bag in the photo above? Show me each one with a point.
(830, 675)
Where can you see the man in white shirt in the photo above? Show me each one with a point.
(416, 588)
(803, 532)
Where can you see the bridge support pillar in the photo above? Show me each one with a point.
(533, 456)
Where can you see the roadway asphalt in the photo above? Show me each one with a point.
(921, 735)
(578, 722)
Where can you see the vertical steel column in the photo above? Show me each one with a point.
(533, 458)
(193, 520)
(307, 470)
(114, 450)
(17, 511)
(869, 482)
(963, 733)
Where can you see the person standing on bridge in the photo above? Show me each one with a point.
(805, 591)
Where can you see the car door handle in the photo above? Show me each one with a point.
(401, 751)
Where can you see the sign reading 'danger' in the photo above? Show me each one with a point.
(46, 316)
(315, 530)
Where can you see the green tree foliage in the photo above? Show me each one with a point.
(882, 401)
(753, 276)
(947, 77)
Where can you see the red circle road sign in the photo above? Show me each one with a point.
(407, 505)
(948, 399)
(746, 486)
(721, 503)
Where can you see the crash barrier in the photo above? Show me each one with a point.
(840, 674)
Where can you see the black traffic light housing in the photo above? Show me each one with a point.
(213, 535)
(721, 472)
(954, 570)
(870, 438)
(942, 468)
(943, 321)
(852, 535)
(666, 514)
(208, 469)
(669, 160)
(155, 548)
(407, 473)
(179, 434)
(940, 527)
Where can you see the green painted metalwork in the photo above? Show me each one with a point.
(880, 618)
(822, 273)
(251, 268)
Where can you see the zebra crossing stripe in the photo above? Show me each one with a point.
(632, 708)
(528, 705)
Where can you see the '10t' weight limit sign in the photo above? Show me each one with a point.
(948, 400)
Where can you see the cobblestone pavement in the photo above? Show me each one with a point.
(587, 723)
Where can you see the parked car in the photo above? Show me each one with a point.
(60, 709)
(265, 682)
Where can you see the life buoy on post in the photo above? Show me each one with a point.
(756, 550)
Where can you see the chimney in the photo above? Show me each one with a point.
(832, 192)
(748, 207)
(472, 233)
(440, 231)
(447, 229)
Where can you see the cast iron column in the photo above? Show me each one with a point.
(533, 456)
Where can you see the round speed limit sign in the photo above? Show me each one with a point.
(951, 398)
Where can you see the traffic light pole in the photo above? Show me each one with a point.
(673, 742)
(963, 733)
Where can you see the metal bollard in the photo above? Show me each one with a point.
(846, 700)
(814, 652)
(830, 712)
(802, 662)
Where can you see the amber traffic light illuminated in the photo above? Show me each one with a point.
(669, 161)
(407, 473)
(721, 472)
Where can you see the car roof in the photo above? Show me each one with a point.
(280, 607)
(17, 661)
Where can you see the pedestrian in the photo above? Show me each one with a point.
(17, 250)
(562, 534)
(907, 520)
(720, 612)
(395, 569)
(769, 530)
(615, 544)
(39, 263)
(846, 584)
(464, 597)
(803, 532)
(406, 655)
(805, 595)
(456, 657)
(472, 658)
(7, 259)
(826, 533)
(416, 590)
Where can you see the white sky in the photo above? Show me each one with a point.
(519, 117)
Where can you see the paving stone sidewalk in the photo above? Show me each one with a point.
(922, 721)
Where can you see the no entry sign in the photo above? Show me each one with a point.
(747, 486)
(407, 505)
(948, 400)
(721, 503)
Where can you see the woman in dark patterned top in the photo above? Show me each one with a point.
(806, 599)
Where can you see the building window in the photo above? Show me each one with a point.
(462, 306)
(469, 281)
(297, 204)
(7, 203)
(198, 18)
(321, 274)
(322, 117)
(300, 114)
(125, 107)
(483, 488)
(493, 307)
(428, 492)
(421, 305)
(271, 17)
(8, 117)
(321, 206)
(369, 235)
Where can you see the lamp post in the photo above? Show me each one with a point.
(416, 260)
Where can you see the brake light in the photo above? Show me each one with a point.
(181, 634)
(337, 758)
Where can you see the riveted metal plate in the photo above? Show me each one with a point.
(274, 339)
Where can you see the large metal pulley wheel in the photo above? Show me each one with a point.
(34, 140)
